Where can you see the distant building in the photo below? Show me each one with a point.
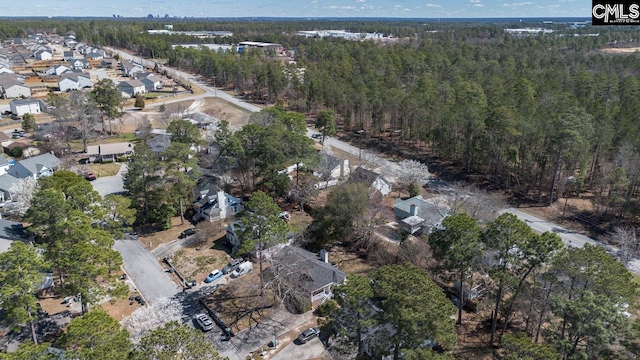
(36, 167)
(43, 55)
(109, 152)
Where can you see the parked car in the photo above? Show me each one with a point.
(308, 334)
(204, 322)
(90, 176)
(242, 269)
(187, 233)
(316, 136)
(213, 276)
(15, 135)
(231, 266)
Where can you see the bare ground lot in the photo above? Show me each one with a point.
(198, 259)
(240, 304)
(629, 50)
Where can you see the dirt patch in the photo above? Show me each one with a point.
(120, 308)
(53, 305)
(240, 305)
(349, 262)
(197, 260)
(151, 238)
(237, 117)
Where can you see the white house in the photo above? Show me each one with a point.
(43, 54)
(36, 167)
(20, 107)
(132, 87)
(5, 70)
(68, 83)
(79, 64)
(74, 81)
(416, 214)
(12, 88)
(129, 68)
(373, 179)
(57, 70)
(214, 204)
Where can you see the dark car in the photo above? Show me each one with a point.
(90, 176)
(15, 135)
(187, 233)
(231, 266)
(308, 334)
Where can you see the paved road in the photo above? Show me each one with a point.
(169, 248)
(210, 91)
(145, 271)
(568, 237)
(312, 350)
(110, 184)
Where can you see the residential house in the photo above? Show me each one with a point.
(109, 152)
(74, 81)
(332, 168)
(308, 277)
(79, 64)
(20, 107)
(45, 54)
(4, 141)
(416, 214)
(6, 70)
(7, 184)
(12, 87)
(159, 142)
(129, 68)
(152, 83)
(68, 83)
(27, 149)
(36, 167)
(202, 120)
(4, 163)
(212, 203)
(67, 55)
(57, 70)
(132, 87)
(93, 56)
(371, 178)
(109, 63)
(11, 231)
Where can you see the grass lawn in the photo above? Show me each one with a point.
(106, 169)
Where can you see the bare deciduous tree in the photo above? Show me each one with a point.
(21, 195)
(152, 317)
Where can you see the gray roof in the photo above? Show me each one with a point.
(328, 163)
(3, 160)
(431, 213)
(27, 101)
(305, 270)
(12, 230)
(35, 164)
(7, 181)
(204, 190)
(361, 174)
(132, 83)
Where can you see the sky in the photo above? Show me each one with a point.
(301, 8)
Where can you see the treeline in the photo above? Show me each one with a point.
(546, 116)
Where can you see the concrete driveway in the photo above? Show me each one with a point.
(145, 271)
(110, 184)
(314, 349)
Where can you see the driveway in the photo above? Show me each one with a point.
(145, 271)
(314, 349)
(110, 184)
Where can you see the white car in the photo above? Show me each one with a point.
(242, 269)
(204, 321)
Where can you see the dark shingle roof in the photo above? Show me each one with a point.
(303, 269)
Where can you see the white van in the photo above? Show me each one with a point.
(242, 269)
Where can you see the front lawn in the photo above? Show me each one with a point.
(104, 169)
